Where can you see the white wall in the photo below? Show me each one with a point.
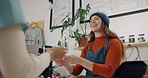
(36, 10)
(132, 25)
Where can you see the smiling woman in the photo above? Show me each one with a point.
(102, 54)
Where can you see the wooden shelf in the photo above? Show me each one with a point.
(136, 44)
(126, 45)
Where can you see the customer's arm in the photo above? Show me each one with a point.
(15, 60)
(16, 63)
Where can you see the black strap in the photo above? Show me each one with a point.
(106, 42)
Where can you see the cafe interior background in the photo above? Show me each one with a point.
(128, 19)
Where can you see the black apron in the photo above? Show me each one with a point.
(96, 57)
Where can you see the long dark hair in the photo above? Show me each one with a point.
(109, 34)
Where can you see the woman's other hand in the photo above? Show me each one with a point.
(73, 59)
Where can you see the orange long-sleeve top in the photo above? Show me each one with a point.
(112, 61)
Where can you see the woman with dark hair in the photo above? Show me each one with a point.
(102, 54)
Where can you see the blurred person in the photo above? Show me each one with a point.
(15, 62)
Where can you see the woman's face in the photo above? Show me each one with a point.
(95, 23)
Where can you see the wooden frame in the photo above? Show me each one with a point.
(140, 8)
(58, 12)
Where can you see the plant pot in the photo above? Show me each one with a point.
(82, 42)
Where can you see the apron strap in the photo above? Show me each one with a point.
(90, 46)
(106, 43)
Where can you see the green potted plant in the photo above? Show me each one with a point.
(68, 25)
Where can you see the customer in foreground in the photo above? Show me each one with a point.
(15, 62)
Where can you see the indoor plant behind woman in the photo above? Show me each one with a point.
(102, 54)
(68, 28)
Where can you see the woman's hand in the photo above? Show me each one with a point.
(64, 62)
(73, 59)
(60, 62)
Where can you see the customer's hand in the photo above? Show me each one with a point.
(30, 54)
(57, 53)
